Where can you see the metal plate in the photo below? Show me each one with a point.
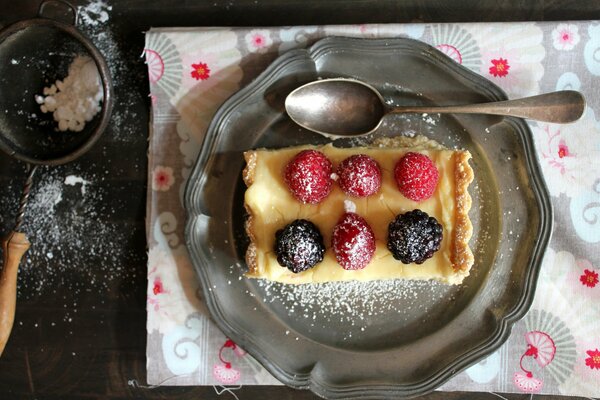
(387, 338)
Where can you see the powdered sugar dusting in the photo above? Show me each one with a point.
(94, 22)
(354, 304)
(73, 180)
(349, 206)
(58, 219)
(76, 99)
(94, 13)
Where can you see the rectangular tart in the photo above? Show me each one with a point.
(270, 206)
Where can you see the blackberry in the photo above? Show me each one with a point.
(414, 236)
(299, 246)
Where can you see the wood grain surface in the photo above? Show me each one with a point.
(80, 325)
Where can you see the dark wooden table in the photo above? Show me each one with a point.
(80, 323)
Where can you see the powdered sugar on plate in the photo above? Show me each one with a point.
(354, 304)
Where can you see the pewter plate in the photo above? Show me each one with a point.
(387, 338)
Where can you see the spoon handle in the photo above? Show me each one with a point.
(558, 107)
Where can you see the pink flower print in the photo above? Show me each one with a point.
(158, 289)
(566, 153)
(171, 283)
(563, 149)
(559, 160)
(565, 37)
(499, 67)
(527, 382)
(162, 178)
(541, 348)
(226, 374)
(593, 361)
(230, 344)
(258, 40)
(450, 51)
(156, 66)
(589, 278)
(200, 71)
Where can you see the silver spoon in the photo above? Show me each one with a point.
(348, 107)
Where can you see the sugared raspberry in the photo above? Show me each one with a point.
(308, 176)
(299, 246)
(359, 175)
(416, 176)
(353, 242)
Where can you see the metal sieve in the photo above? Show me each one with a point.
(34, 53)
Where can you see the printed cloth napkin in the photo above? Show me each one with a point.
(555, 349)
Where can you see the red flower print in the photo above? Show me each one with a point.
(593, 361)
(229, 344)
(499, 67)
(158, 287)
(200, 71)
(589, 278)
(563, 151)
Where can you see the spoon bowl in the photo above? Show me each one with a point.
(344, 107)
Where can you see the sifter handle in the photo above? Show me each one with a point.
(14, 245)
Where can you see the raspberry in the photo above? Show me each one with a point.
(413, 237)
(299, 246)
(416, 176)
(353, 242)
(308, 176)
(359, 175)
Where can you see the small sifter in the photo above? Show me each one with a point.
(33, 54)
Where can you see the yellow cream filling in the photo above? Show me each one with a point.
(272, 206)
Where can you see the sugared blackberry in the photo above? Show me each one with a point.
(299, 246)
(414, 236)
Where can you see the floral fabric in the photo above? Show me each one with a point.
(555, 349)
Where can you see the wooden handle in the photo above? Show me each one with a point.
(14, 246)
